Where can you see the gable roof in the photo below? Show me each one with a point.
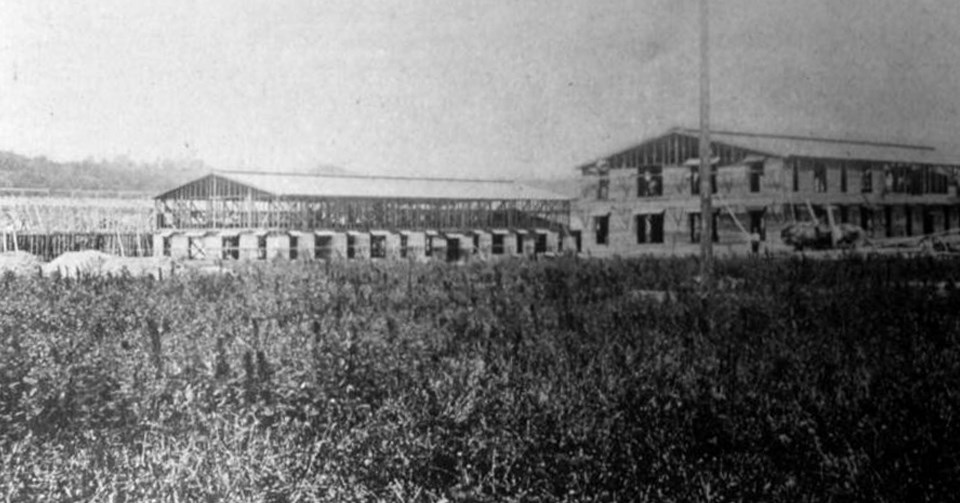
(783, 145)
(830, 148)
(374, 187)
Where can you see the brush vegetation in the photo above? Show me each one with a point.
(525, 381)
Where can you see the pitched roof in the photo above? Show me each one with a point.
(783, 145)
(384, 187)
(830, 148)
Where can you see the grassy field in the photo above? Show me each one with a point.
(562, 380)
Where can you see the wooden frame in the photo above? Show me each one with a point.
(213, 202)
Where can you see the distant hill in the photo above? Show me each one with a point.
(118, 174)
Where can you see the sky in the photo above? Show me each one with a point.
(460, 88)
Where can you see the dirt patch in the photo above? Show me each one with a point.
(19, 263)
(78, 263)
(92, 262)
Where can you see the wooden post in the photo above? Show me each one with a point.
(813, 215)
(40, 223)
(120, 242)
(834, 231)
(706, 206)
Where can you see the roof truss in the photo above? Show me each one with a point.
(672, 149)
(215, 187)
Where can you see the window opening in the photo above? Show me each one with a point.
(294, 247)
(496, 247)
(796, 176)
(888, 220)
(378, 246)
(603, 188)
(757, 224)
(323, 247)
(819, 177)
(756, 175)
(601, 228)
(908, 216)
(928, 223)
(351, 246)
(649, 228)
(262, 247)
(656, 228)
(540, 245)
(231, 247)
(650, 181)
(866, 220)
(866, 179)
(453, 249)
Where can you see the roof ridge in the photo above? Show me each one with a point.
(871, 143)
(366, 177)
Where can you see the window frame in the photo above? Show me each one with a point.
(755, 172)
(378, 246)
(796, 175)
(820, 178)
(601, 229)
(758, 223)
(498, 244)
(230, 247)
(404, 245)
(323, 247)
(294, 248)
(351, 246)
(540, 243)
(650, 181)
(603, 188)
(640, 228)
(866, 179)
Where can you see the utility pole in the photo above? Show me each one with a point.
(706, 168)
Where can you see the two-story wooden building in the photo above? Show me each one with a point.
(645, 198)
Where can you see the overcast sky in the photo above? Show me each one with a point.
(493, 88)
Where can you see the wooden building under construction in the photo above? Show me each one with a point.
(258, 215)
(645, 198)
(49, 222)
